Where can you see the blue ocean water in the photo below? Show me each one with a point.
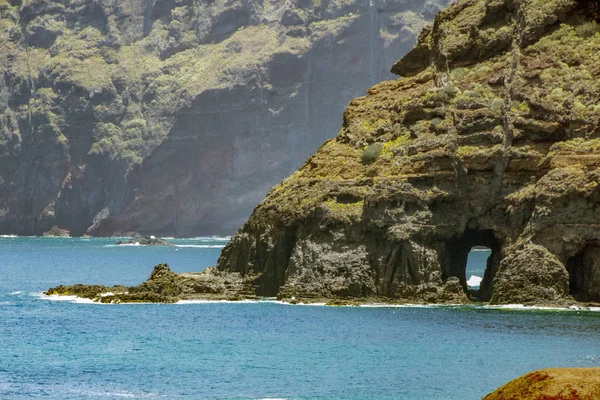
(68, 350)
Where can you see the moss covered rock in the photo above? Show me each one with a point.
(490, 139)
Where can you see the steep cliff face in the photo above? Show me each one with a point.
(176, 116)
(491, 138)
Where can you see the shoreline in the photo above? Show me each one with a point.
(334, 303)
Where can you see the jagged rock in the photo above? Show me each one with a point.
(57, 232)
(145, 241)
(555, 384)
(492, 138)
(176, 117)
(165, 286)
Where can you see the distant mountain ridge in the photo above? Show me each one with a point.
(175, 117)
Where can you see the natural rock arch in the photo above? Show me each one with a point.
(479, 144)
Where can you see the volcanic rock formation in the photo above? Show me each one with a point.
(175, 117)
(492, 138)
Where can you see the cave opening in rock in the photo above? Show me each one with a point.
(590, 9)
(475, 254)
(584, 274)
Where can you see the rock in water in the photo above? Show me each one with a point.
(145, 241)
(491, 138)
(552, 384)
(55, 231)
(165, 286)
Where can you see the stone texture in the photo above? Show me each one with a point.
(176, 117)
(491, 138)
(555, 384)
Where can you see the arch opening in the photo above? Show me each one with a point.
(476, 253)
(477, 263)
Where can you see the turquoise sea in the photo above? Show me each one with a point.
(261, 350)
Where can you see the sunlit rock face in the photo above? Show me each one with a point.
(491, 138)
(176, 117)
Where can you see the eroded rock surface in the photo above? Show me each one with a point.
(492, 138)
(176, 117)
(165, 286)
(554, 384)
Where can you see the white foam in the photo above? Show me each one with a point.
(227, 301)
(212, 238)
(474, 281)
(8, 236)
(16, 293)
(72, 299)
(114, 393)
(202, 246)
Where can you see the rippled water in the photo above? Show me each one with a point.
(64, 349)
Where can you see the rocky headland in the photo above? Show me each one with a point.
(552, 384)
(491, 138)
(175, 118)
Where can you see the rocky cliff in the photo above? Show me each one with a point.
(176, 117)
(491, 138)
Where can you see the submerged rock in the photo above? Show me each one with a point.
(552, 384)
(145, 241)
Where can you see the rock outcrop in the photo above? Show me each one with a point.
(144, 241)
(175, 117)
(492, 138)
(552, 384)
(165, 286)
(55, 231)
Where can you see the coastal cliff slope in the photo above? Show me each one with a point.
(175, 117)
(491, 138)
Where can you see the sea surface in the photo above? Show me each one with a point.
(253, 350)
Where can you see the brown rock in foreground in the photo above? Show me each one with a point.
(552, 384)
